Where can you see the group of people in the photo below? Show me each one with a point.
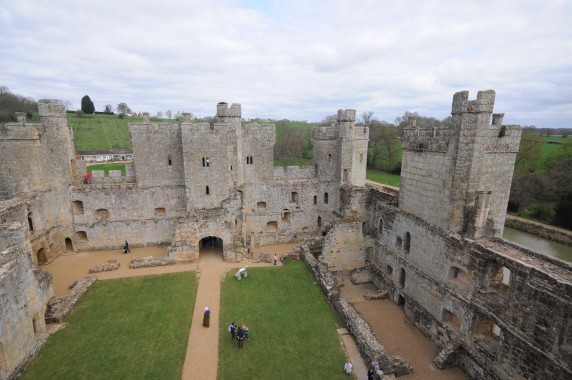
(240, 333)
(371, 372)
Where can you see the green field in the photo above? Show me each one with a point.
(107, 167)
(383, 177)
(293, 327)
(123, 329)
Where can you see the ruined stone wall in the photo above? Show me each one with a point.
(158, 154)
(460, 179)
(23, 299)
(294, 172)
(209, 159)
(510, 310)
(106, 216)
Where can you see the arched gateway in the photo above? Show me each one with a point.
(211, 245)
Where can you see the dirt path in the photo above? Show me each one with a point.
(396, 333)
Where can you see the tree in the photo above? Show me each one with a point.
(11, 103)
(289, 143)
(159, 114)
(123, 109)
(366, 118)
(169, 114)
(529, 152)
(87, 105)
(108, 108)
(384, 144)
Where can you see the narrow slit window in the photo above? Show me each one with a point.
(326, 198)
(169, 161)
(207, 190)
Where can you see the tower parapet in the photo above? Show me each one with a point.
(225, 113)
(484, 103)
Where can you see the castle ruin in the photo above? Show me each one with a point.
(497, 310)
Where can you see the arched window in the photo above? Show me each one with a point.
(380, 225)
(169, 161)
(329, 158)
(30, 222)
(402, 277)
(326, 198)
(315, 199)
(345, 175)
(319, 221)
(207, 190)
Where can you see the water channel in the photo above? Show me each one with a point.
(538, 244)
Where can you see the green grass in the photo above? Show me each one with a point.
(134, 328)
(558, 139)
(108, 167)
(293, 327)
(299, 162)
(383, 177)
(100, 132)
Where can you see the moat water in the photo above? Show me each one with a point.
(538, 244)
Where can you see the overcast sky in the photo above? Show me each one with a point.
(299, 60)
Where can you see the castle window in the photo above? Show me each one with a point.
(458, 276)
(329, 158)
(286, 217)
(315, 199)
(271, 226)
(101, 214)
(207, 190)
(169, 160)
(407, 244)
(316, 169)
(294, 197)
(380, 226)
(261, 205)
(402, 277)
(389, 270)
(81, 235)
(398, 242)
(497, 276)
(486, 333)
(249, 160)
(160, 211)
(451, 321)
(30, 222)
(319, 221)
(325, 198)
(77, 207)
(345, 175)
(206, 162)
(363, 228)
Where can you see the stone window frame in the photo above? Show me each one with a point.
(102, 214)
(286, 216)
(206, 162)
(77, 207)
(261, 205)
(272, 226)
(294, 197)
(451, 321)
(319, 221)
(407, 242)
(401, 278)
(459, 275)
(486, 333)
(160, 211)
(30, 221)
(207, 190)
(315, 199)
(169, 161)
(326, 198)
(329, 157)
(398, 242)
(81, 235)
(497, 276)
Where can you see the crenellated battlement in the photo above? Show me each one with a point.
(325, 133)
(484, 102)
(223, 111)
(431, 139)
(346, 115)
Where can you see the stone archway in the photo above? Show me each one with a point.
(41, 255)
(211, 245)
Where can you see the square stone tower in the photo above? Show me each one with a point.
(459, 177)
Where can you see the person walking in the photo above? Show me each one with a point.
(275, 259)
(348, 368)
(240, 336)
(126, 248)
(232, 330)
(207, 317)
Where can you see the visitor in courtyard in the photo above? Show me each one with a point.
(240, 336)
(348, 367)
(232, 330)
(88, 178)
(246, 332)
(275, 259)
(126, 247)
(207, 317)
(370, 373)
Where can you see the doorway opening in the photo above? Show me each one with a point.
(69, 245)
(210, 245)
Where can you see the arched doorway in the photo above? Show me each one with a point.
(69, 245)
(41, 255)
(211, 246)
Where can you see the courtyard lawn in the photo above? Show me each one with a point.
(107, 167)
(133, 328)
(383, 177)
(293, 327)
